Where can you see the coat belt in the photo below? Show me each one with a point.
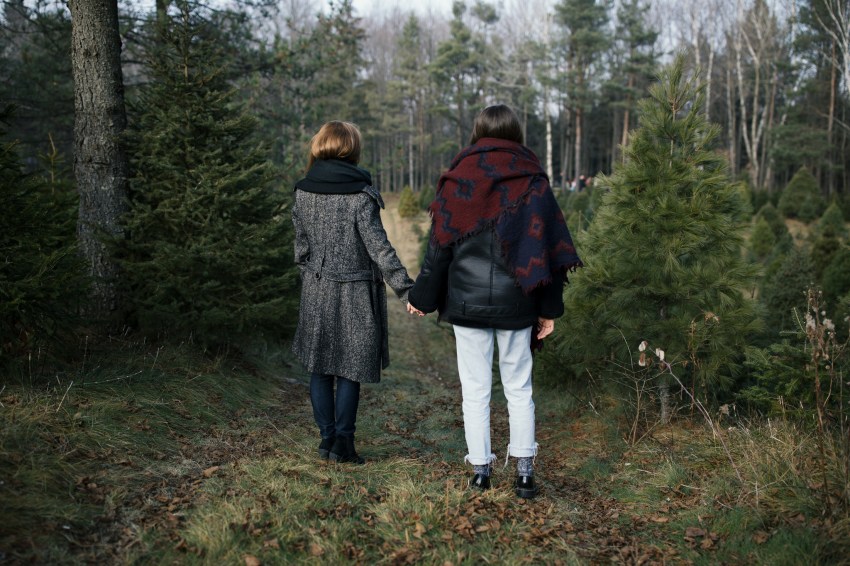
(340, 276)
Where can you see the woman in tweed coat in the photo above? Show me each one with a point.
(344, 256)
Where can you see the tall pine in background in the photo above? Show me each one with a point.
(208, 250)
(663, 253)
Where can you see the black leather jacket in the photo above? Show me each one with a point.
(470, 285)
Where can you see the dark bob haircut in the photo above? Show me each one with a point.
(497, 121)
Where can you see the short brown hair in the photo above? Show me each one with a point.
(497, 121)
(336, 140)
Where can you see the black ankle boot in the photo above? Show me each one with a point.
(343, 451)
(479, 482)
(525, 487)
(325, 447)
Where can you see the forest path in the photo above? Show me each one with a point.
(220, 467)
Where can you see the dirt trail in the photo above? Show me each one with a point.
(402, 232)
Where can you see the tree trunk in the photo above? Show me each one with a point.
(548, 119)
(831, 121)
(578, 141)
(100, 164)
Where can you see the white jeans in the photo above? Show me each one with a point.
(475, 367)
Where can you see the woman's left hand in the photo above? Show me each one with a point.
(413, 310)
(545, 327)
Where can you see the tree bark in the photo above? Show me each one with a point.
(100, 163)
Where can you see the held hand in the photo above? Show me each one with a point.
(545, 327)
(413, 310)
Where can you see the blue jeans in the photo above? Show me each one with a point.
(334, 418)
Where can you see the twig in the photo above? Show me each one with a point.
(65, 395)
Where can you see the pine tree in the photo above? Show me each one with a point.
(774, 220)
(663, 254)
(836, 277)
(762, 239)
(832, 222)
(208, 251)
(41, 274)
(785, 290)
(801, 198)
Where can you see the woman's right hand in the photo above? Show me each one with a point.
(413, 310)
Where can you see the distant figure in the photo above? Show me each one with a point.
(582, 183)
(344, 256)
(495, 268)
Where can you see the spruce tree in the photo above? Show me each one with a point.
(209, 245)
(41, 274)
(663, 254)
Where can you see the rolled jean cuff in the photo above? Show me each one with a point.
(480, 461)
(517, 452)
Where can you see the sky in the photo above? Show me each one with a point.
(366, 7)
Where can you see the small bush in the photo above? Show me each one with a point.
(408, 205)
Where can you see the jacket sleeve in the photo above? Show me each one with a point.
(430, 288)
(379, 248)
(550, 298)
(302, 244)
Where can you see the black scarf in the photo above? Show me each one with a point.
(334, 177)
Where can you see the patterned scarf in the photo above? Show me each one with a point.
(499, 184)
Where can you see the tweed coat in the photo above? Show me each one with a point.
(344, 256)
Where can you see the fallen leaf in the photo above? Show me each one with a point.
(271, 543)
(659, 519)
(210, 471)
(694, 532)
(251, 560)
(316, 550)
(760, 537)
(419, 530)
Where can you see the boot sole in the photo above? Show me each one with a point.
(345, 459)
(527, 493)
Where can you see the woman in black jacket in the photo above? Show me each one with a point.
(495, 269)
